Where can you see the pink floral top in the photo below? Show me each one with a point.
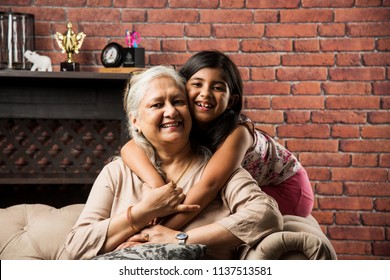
(267, 161)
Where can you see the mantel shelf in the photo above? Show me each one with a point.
(63, 75)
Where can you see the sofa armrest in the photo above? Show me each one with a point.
(35, 231)
(301, 238)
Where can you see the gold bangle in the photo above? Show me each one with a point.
(131, 220)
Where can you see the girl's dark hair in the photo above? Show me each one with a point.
(220, 128)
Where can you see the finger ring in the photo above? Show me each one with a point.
(146, 237)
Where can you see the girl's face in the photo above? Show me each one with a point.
(209, 95)
(163, 115)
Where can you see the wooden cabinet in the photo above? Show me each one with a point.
(59, 127)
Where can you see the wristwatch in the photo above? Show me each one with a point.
(182, 237)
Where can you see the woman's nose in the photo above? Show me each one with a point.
(170, 111)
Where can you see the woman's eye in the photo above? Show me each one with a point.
(178, 102)
(156, 105)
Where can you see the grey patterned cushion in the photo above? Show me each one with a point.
(157, 252)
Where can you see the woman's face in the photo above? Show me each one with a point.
(163, 115)
(208, 94)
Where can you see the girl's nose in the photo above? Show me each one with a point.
(205, 92)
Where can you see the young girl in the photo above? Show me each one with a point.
(215, 89)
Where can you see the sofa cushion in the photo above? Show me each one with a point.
(35, 231)
(157, 252)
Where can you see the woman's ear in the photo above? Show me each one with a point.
(135, 124)
(232, 101)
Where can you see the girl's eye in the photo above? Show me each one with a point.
(197, 85)
(219, 88)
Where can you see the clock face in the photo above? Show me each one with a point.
(112, 55)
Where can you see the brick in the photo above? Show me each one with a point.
(99, 3)
(197, 30)
(297, 116)
(168, 59)
(348, 59)
(345, 131)
(263, 74)
(266, 16)
(303, 131)
(376, 219)
(381, 88)
(365, 160)
(367, 189)
(323, 217)
(327, 3)
(347, 117)
(238, 30)
(140, 4)
(266, 88)
(255, 59)
(308, 59)
(159, 30)
(332, 30)
(269, 129)
(271, 4)
(199, 4)
(73, 3)
(229, 4)
(312, 88)
(376, 59)
(224, 45)
(297, 102)
(382, 204)
(265, 117)
(361, 14)
(291, 30)
(368, 146)
(383, 44)
(301, 74)
(326, 159)
(318, 173)
(93, 14)
(385, 103)
(311, 145)
(352, 102)
(173, 45)
(352, 247)
(384, 160)
(256, 102)
(347, 218)
(347, 88)
(108, 29)
(238, 16)
(329, 188)
(359, 174)
(367, 3)
(165, 15)
(307, 45)
(345, 203)
(368, 29)
(381, 248)
(300, 15)
(347, 44)
(376, 132)
(19, 2)
(380, 117)
(268, 45)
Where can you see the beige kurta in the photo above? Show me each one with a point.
(242, 208)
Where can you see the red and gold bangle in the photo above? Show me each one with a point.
(131, 220)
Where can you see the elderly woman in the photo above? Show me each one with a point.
(120, 207)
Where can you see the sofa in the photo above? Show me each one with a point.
(38, 231)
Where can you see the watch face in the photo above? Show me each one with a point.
(112, 55)
(181, 236)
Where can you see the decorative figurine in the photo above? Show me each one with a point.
(70, 43)
(132, 39)
(40, 62)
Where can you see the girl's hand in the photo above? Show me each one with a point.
(155, 234)
(164, 201)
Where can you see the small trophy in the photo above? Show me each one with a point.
(70, 43)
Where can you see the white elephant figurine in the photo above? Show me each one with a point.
(40, 62)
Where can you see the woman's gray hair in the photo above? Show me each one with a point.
(134, 93)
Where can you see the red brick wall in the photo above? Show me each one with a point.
(316, 77)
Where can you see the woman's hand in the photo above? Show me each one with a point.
(155, 234)
(165, 200)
